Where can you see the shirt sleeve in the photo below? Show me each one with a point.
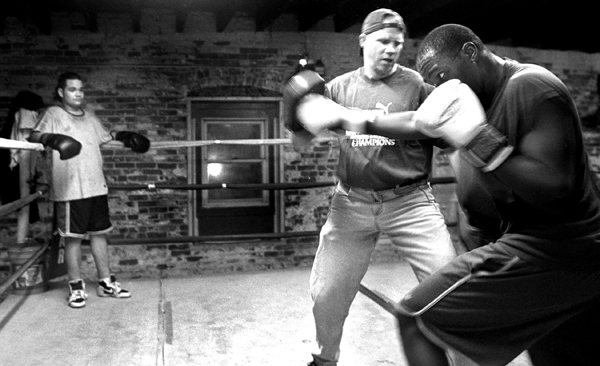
(102, 133)
(46, 122)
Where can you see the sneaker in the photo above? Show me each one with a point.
(112, 289)
(77, 294)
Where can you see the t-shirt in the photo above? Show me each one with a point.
(563, 233)
(376, 162)
(81, 176)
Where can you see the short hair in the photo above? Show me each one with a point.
(62, 82)
(447, 39)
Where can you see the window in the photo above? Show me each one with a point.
(236, 211)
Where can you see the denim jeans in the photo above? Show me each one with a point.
(408, 215)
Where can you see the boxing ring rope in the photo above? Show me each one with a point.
(264, 186)
(200, 187)
(22, 202)
(24, 145)
(378, 298)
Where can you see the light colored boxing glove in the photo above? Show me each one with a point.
(453, 112)
(318, 113)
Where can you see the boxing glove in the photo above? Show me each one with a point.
(133, 140)
(453, 112)
(303, 83)
(66, 146)
(317, 113)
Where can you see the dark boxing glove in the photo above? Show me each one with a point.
(303, 83)
(66, 146)
(138, 143)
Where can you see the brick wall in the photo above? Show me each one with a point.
(140, 81)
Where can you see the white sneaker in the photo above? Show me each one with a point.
(112, 289)
(77, 294)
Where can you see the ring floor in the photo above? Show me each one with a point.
(248, 318)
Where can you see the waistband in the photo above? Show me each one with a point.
(399, 190)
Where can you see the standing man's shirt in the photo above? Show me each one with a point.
(375, 162)
(81, 176)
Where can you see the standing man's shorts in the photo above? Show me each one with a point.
(82, 218)
(492, 319)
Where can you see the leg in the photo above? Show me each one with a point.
(492, 318)
(99, 246)
(73, 258)
(572, 343)
(418, 350)
(341, 262)
(77, 295)
(416, 226)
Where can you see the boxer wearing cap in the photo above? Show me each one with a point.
(382, 183)
(78, 187)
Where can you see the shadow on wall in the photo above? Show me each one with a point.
(593, 120)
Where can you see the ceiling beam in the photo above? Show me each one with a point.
(268, 11)
(350, 12)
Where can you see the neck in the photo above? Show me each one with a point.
(494, 69)
(75, 111)
(374, 75)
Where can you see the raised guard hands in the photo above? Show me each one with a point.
(453, 112)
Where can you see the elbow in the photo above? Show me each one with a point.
(563, 188)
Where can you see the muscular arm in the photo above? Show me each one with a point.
(396, 125)
(542, 169)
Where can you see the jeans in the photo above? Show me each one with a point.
(408, 215)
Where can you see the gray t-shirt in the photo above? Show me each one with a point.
(376, 162)
(81, 176)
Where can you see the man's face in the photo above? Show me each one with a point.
(437, 68)
(381, 50)
(72, 94)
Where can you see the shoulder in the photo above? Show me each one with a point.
(90, 113)
(342, 83)
(530, 78)
(409, 73)
(53, 110)
(345, 78)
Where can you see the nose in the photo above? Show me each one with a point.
(391, 49)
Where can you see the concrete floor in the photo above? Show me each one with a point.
(255, 319)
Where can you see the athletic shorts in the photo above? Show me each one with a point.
(82, 218)
(493, 318)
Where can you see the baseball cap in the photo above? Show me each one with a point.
(382, 18)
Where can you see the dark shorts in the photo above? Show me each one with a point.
(82, 218)
(492, 319)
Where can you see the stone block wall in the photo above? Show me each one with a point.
(140, 79)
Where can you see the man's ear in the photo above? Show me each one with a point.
(60, 92)
(471, 51)
(361, 40)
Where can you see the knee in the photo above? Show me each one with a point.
(72, 242)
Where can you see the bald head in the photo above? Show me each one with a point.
(446, 40)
